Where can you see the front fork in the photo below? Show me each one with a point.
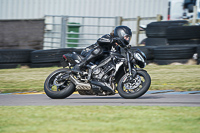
(132, 71)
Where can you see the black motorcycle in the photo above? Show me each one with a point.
(113, 73)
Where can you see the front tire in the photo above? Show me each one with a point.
(58, 89)
(137, 88)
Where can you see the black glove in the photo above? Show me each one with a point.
(122, 45)
(116, 40)
(128, 46)
(119, 41)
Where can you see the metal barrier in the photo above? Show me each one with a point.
(138, 20)
(88, 30)
(58, 33)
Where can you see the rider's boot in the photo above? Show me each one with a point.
(77, 67)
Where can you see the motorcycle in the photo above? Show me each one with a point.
(112, 74)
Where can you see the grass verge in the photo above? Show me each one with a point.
(178, 78)
(175, 77)
(98, 119)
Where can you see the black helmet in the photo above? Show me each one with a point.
(121, 32)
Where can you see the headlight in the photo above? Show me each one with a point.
(138, 57)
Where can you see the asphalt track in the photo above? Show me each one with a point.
(158, 99)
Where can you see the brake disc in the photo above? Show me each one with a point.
(135, 83)
(56, 83)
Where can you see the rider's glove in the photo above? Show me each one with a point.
(116, 40)
(128, 46)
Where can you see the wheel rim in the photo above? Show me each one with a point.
(56, 84)
(131, 86)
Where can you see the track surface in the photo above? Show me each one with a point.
(116, 100)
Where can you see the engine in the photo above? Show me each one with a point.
(103, 73)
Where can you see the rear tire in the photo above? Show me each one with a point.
(63, 91)
(137, 92)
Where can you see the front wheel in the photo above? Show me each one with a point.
(57, 88)
(133, 88)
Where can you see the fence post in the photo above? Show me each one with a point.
(194, 15)
(63, 31)
(137, 29)
(118, 21)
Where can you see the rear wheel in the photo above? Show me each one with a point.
(57, 88)
(133, 88)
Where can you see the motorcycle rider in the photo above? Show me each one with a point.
(108, 42)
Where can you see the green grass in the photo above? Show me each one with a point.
(99, 119)
(179, 78)
(18, 80)
(175, 77)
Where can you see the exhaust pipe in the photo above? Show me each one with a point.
(83, 86)
(79, 85)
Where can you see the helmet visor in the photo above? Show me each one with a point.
(127, 38)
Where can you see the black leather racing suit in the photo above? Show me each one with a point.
(105, 43)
